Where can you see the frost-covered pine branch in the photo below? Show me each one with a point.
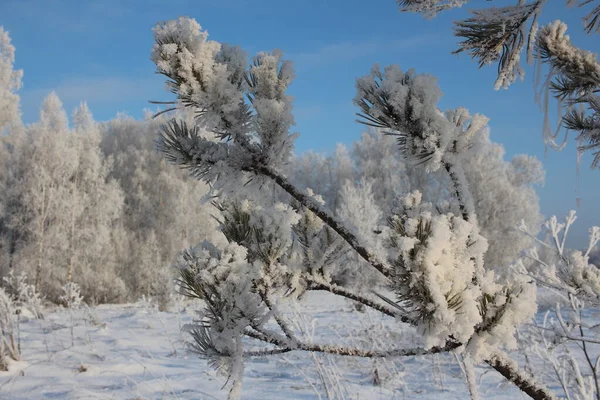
(430, 8)
(278, 241)
(501, 34)
(576, 82)
(24, 294)
(247, 139)
(492, 35)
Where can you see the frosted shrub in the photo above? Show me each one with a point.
(24, 295)
(71, 296)
(163, 289)
(565, 339)
(147, 303)
(10, 345)
(280, 240)
(72, 299)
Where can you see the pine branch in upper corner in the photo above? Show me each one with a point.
(577, 83)
(591, 21)
(588, 128)
(498, 35)
(578, 70)
(429, 7)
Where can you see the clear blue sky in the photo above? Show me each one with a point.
(98, 51)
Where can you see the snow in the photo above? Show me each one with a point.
(133, 351)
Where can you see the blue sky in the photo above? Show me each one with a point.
(98, 51)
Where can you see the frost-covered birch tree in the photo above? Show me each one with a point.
(500, 35)
(504, 196)
(10, 121)
(44, 181)
(10, 82)
(239, 144)
(325, 175)
(86, 204)
(96, 206)
(160, 203)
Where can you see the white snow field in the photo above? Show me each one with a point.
(136, 352)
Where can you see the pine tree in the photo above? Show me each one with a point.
(239, 144)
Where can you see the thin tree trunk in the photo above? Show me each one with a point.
(42, 229)
(72, 242)
(38, 268)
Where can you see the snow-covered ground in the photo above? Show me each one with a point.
(136, 352)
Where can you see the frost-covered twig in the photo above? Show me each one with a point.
(24, 294)
(471, 378)
(569, 274)
(10, 345)
(320, 284)
(352, 351)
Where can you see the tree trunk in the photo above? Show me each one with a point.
(42, 231)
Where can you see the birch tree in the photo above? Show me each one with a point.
(10, 82)
(159, 203)
(66, 206)
(10, 123)
(48, 165)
